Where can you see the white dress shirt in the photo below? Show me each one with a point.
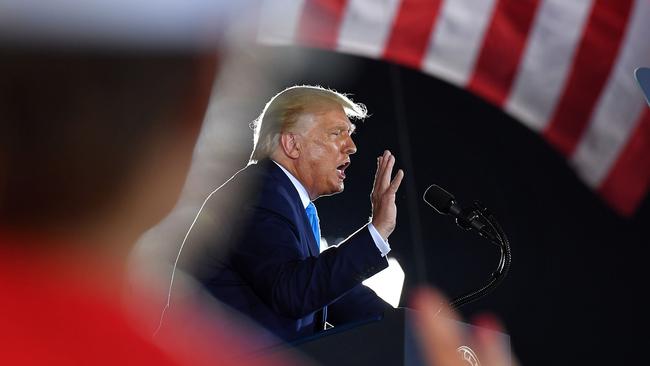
(381, 244)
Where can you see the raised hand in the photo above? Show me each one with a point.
(384, 210)
(439, 337)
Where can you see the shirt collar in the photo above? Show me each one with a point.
(302, 192)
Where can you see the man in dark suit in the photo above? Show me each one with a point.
(272, 270)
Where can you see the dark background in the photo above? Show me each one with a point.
(573, 293)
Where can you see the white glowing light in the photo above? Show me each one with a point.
(388, 283)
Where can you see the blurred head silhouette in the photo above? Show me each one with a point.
(93, 141)
(99, 113)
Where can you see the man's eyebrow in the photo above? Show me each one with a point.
(350, 127)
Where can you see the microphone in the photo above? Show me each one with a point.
(478, 218)
(445, 203)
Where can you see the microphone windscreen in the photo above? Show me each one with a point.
(438, 198)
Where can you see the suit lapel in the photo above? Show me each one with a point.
(308, 233)
(300, 216)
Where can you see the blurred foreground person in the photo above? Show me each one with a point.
(100, 107)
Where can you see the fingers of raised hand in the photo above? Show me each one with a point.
(379, 173)
(397, 180)
(384, 167)
(374, 183)
(382, 183)
(387, 171)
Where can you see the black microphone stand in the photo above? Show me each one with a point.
(498, 238)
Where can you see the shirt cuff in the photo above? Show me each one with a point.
(381, 244)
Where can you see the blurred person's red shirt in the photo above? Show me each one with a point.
(61, 310)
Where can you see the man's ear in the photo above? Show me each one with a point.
(290, 144)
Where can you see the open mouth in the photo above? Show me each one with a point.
(341, 169)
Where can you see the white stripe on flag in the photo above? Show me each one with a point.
(366, 26)
(619, 106)
(547, 60)
(278, 21)
(457, 38)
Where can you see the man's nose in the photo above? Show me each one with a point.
(350, 147)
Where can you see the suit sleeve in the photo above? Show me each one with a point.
(359, 303)
(271, 259)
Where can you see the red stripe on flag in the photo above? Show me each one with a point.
(409, 38)
(320, 23)
(629, 179)
(593, 62)
(502, 47)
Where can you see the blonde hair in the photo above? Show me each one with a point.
(281, 115)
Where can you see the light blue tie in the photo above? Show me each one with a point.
(312, 215)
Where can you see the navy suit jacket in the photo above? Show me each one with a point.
(272, 271)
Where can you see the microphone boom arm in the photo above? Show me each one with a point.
(501, 240)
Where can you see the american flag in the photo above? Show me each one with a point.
(564, 68)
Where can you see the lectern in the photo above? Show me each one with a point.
(387, 340)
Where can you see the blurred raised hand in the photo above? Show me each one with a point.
(439, 338)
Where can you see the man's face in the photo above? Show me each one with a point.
(325, 148)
